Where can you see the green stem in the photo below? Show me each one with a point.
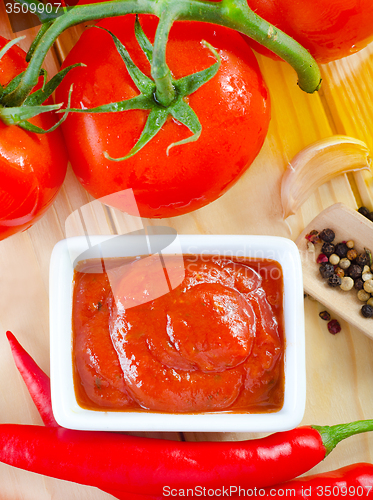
(233, 14)
(237, 15)
(39, 36)
(331, 436)
(165, 91)
(73, 17)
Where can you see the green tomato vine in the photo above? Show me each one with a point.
(161, 94)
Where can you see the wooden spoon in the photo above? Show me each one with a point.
(347, 224)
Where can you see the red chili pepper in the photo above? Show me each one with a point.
(37, 382)
(119, 463)
(352, 482)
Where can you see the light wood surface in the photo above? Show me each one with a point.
(339, 368)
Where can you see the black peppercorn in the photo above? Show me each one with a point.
(324, 315)
(327, 235)
(326, 270)
(327, 249)
(341, 250)
(364, 211)
(358, 284)
(362, 259)
(367, 311)
(355, 271)
(334, 280)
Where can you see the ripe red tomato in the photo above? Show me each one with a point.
(233, 108)
(329, 29)
(32, 166)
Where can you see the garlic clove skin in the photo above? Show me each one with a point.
(319, 163)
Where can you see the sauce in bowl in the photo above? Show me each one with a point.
(213, 343)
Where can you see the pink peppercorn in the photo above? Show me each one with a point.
(334, 326)
(313, 236)
(322, 258)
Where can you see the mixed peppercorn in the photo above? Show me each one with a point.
(344, 267)
(334, 326)
(366, 212)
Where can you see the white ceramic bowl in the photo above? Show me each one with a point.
(69, 414)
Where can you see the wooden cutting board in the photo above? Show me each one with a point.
(339, 368)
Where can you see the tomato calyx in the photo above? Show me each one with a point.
(147, 99)
(22, 114)
(33, 104)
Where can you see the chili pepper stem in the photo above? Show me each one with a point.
(332, 435)
(233, 14)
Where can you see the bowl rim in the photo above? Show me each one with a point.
(70, 415)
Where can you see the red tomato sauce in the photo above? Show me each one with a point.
(214, 343)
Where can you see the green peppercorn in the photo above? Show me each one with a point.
(367, 276)
(363, 296)
(344, 263)
(368, 286)
(334, 259)
(347, 284)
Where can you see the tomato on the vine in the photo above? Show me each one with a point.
(233, 109)
(32, 166)
(329, 29)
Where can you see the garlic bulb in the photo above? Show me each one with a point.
(319, 163)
